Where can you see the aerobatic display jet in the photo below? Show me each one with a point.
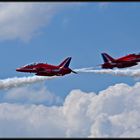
(44, 69)
(122, 62)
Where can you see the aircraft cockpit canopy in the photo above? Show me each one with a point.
(32, 64)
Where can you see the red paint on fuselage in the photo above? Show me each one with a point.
(122, 62)
(44, 69)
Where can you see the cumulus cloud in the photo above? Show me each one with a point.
(113, 112)
(24, 20)
(30, 121)
(31, 95)
(21, 92)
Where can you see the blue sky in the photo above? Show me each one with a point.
(81, 31)
(82, 105)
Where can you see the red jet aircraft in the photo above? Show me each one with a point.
(123, 62)
(44, 69)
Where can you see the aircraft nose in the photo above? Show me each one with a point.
(18, 69)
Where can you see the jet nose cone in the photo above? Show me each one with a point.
(18, 69)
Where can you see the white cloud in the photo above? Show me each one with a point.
(25, 94)
(31, 95)
(40, 121)
(24, 20)
(114, 112)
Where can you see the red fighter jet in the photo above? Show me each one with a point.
(44, 69)
(123, 62)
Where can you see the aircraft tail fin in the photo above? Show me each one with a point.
(107, 58)
(65, 63)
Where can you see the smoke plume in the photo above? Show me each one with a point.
(19, 81)
(117, 72)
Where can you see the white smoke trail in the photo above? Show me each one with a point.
(19, 81)
(117, 72)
